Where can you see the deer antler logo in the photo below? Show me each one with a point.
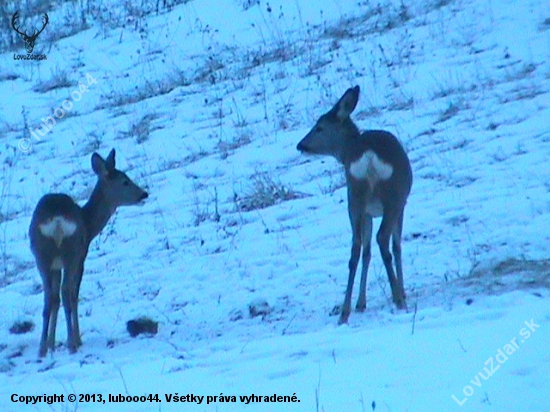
(29, 40)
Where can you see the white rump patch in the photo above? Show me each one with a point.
(58, 228)
(370, 167)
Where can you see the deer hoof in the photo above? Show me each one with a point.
(343, 317)
(401, 304)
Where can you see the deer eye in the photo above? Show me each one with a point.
(319, 129)
(125, 183)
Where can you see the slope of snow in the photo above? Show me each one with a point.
(200, 105)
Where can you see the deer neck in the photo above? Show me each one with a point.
(96, 212)
(348, 151)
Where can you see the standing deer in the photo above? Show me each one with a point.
(60, 235)
(379, 179)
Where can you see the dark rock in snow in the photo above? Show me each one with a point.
(138, 326)
(259, 307)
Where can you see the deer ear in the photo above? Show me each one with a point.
(110, 161)
(98, 166)
(347, 103)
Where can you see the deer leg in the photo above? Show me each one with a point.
(56, 284)
(353, 262)
(67, 307)
(70, 282)
(383, 238)
(76, 325)
(396, 247)
(366, 235)
(46, 313)
(51, 280)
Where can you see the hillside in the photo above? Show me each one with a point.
(204, 102)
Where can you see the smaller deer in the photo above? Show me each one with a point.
(60, 235)
(379, 179)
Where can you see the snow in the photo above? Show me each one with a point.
(202, 100)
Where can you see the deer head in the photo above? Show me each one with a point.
(29, 40)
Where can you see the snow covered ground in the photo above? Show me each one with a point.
(205, 105)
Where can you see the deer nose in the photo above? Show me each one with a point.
(144, 196)
(301, 147)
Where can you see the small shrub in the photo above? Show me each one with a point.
(141, 129)
(59, 80)
(202, 209)
(264, 191)
(241, 139)
(452, 110)
(19, 328)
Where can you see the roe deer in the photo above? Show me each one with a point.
(60, 235)
(379, 179)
